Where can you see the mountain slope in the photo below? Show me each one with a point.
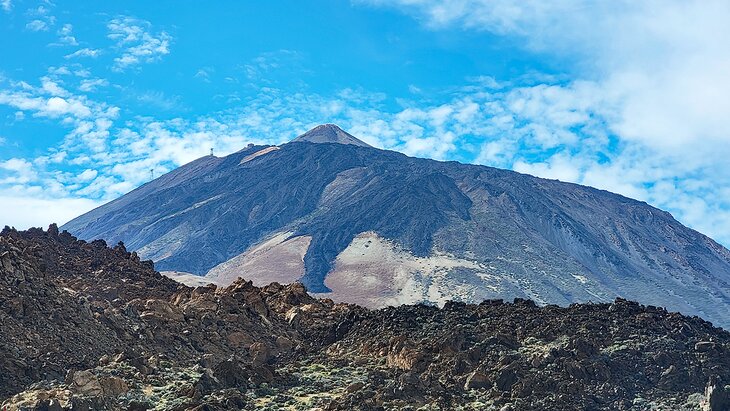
(379, 228)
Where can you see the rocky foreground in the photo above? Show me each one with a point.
(87, 327)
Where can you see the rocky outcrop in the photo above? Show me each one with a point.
(90, 327)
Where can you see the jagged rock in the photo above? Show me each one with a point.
(717, 396)
(284, 343)
(159, 310)
(230, 374)
(260, 354)
(113, 386)
(477, 379)
(505, 379)
(704, 346)
(402, 355)
(240, 346)
(85, 383)
(354, 387)
(239, 339)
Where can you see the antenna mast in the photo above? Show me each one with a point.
(211, 151)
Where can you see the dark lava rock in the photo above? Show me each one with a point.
(70, 343)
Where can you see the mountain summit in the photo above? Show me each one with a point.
(329, 133)
(379, 228)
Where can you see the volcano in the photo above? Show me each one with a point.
(376, 227)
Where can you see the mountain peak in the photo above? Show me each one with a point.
(329, 133)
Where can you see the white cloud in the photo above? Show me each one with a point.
(23, 212)
(6, 5)
(89, 121)
(87, 175)
(20, 171)
(53, 88)
(65, 35)
(57, 106)
(645, 113)
(203, 74)
(138, 45)
(37, 25)
(661, 66)
(160, 100)
(59, 71)
(88, 85)
(85, 52)
(81, 72)
(42, 19)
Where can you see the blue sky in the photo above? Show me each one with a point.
(632, 97)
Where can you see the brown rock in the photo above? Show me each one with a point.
(15, 307)
(355, 386)
(239, 339)
(202, 303)
(85, 383)
(113, 386)
(401, 355)
(284, 343)
(260, 354)
(160, 310)
(477, 380)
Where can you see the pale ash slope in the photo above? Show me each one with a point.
(512, 235)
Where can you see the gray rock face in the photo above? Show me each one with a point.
(546, 240)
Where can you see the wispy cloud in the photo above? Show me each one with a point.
(66, 37)
(6, 5)
(42, 20)
(262, 65)
(89, 120)
(88, 85)
(160, 100)
(138, 44)
(204, 73)
(84, 52)
(37, 25)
